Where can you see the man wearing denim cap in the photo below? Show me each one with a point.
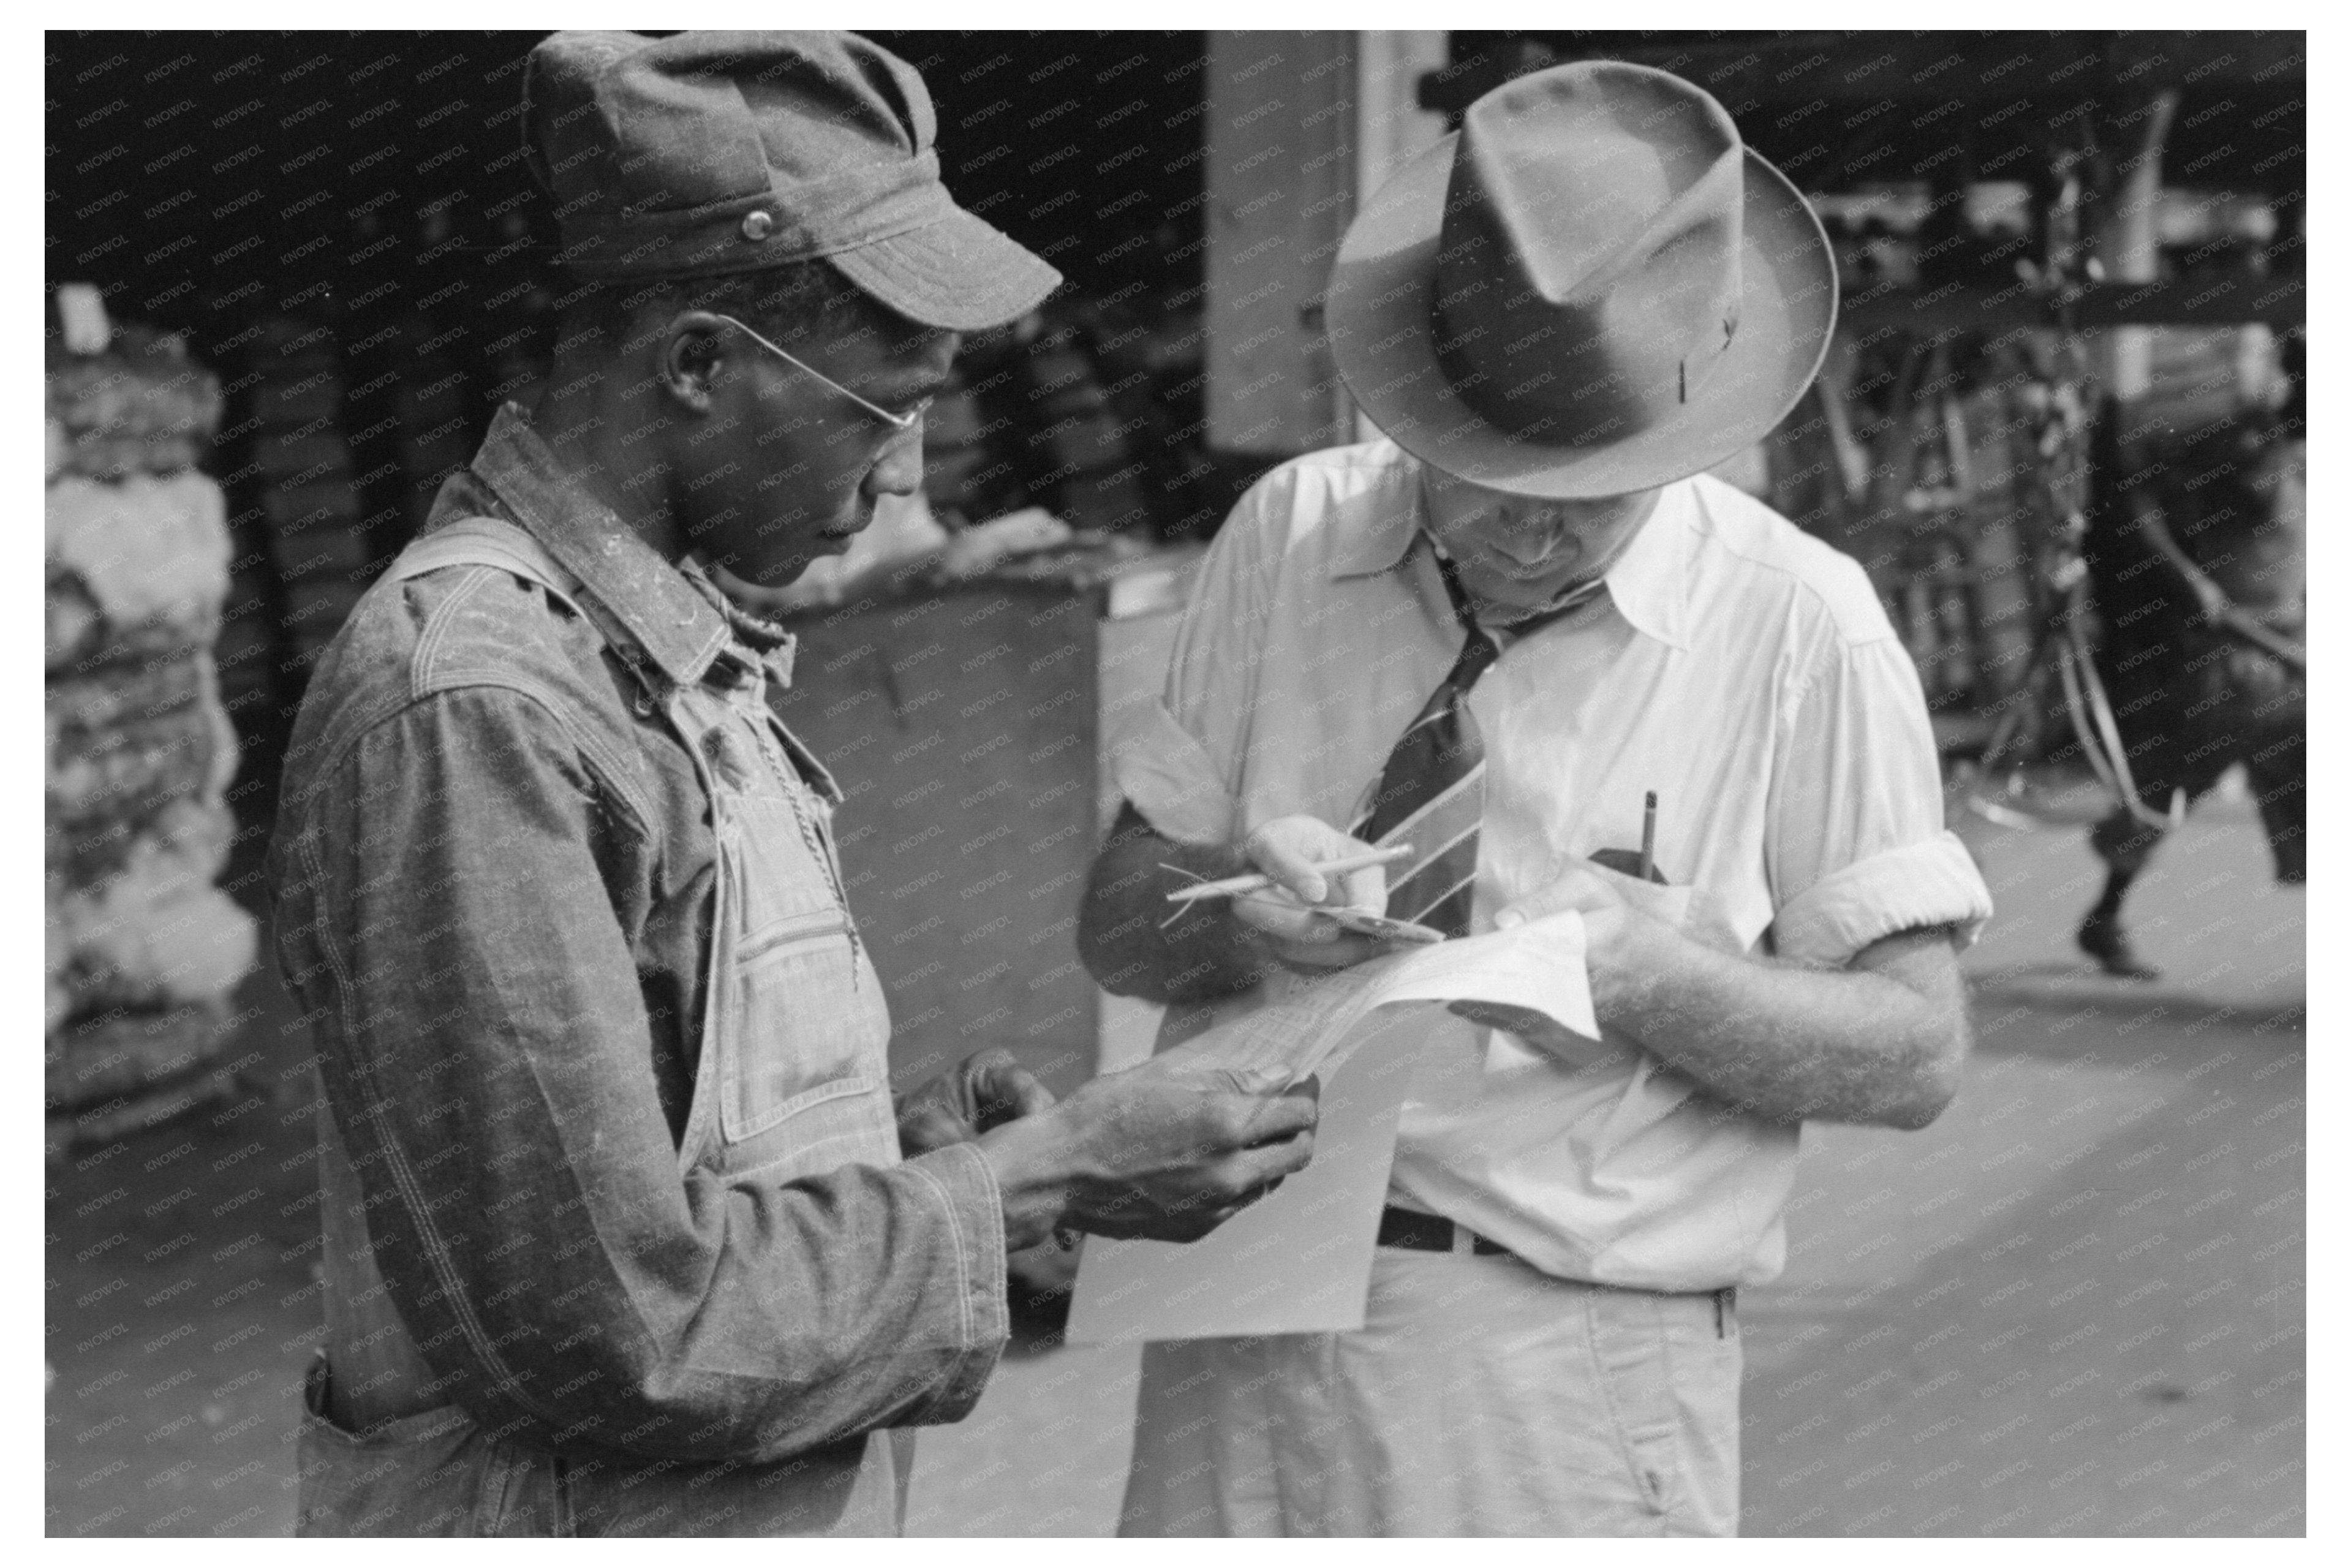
(1490, 636)
(625, 1233)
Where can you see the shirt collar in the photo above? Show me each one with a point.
(1388, 529)
(767, 640)
(1648, 582)
(681, 627)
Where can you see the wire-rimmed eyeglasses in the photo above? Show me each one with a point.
(899, 422)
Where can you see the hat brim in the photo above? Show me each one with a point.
(958, 273)
(1378, 315)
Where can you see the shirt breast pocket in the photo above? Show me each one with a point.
(807, 1026)
(802, 1047)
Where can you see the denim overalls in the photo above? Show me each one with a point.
(792, 1079)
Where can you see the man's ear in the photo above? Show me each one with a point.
(694, 352)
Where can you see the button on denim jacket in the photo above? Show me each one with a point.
(619, 1239)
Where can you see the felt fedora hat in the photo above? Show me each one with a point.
(1593, 288)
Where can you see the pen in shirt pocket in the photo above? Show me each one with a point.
(1648, 837)
(1640, 864)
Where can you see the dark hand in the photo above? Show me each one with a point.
(980, 1094)
(1169, 1151)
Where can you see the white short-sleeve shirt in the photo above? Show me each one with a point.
(1739, 667)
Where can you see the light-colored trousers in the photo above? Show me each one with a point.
(1479, 1399)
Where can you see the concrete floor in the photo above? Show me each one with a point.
(2074, 1306)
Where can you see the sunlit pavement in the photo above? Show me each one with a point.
(2074, 1305)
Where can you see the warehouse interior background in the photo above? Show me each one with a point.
(326, 252)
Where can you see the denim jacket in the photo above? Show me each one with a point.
(604, 1061)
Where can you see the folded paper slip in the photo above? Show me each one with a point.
(1299, 1259)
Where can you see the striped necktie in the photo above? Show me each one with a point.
(1432, 789)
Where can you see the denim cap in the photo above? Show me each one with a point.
(703, 154)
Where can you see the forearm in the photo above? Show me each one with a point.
(1876, 1045)
(613, 1304)
(868, 1297)
(1124, 936)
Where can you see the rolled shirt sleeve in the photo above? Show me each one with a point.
(487, 1053)
(1166, 773)
(1856, 847)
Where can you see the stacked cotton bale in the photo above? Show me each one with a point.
(142, 949)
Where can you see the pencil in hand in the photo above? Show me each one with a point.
(1257, 882)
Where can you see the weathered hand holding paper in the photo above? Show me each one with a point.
(1299, 1260)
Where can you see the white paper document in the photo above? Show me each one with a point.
(1299, 1259)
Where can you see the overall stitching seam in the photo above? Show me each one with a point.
(437, 631)
(964, 1282)
(426, 677)
(592, 752)
(963, 1255)
(740, 1127)
(493, 1504)
(404, 1178)
(704, 1116)
(823, 1094)
(419, 684)
(962, 1351)
(593, 749)
(787, 775)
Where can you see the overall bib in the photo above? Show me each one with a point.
(793, 1080)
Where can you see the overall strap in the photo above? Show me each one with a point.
(489, 541)
(495, 542)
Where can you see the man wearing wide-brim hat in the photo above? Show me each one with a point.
(1493, 636)
(625, 1233)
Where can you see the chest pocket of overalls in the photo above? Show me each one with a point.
(798, 1030)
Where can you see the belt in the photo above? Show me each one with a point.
(1433, 1233)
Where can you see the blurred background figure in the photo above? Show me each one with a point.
(2195, 556)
